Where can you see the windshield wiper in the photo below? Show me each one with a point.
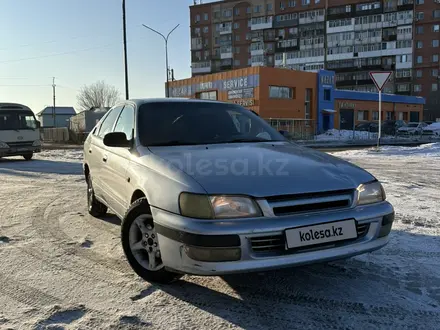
(175, 143)
(238, 140)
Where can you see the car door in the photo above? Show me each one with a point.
(118, 159)
(98, 152)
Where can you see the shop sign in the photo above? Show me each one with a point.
(235, 83)
(245, 103)
(245, 93)
(347, 105)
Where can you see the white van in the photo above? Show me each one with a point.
(19, 131)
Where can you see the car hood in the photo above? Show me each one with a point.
(263, 169)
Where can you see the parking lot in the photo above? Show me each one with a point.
(61, 267)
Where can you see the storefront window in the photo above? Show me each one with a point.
(277, 92)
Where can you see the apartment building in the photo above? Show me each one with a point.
(350, 37)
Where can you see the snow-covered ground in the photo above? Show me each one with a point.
(350, 135)
(62, 269)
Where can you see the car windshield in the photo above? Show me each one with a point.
(190, 123)
(17, 120)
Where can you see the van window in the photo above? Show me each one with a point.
(13, 120)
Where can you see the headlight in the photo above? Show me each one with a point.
(217, 207)
(37, 143)
(370, 193)
(3, 145)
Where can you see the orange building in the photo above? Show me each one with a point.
(297, 99)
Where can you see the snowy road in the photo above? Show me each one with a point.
(59, 267)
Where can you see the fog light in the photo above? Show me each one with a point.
(213, 254)
(387, 223)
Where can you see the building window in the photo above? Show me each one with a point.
(236, 25)
(375, 115)
(237, 37)
(419, 73)
(257, 9)
(436, 28)
(435, 43)
(205, 29)
(417, 88)
(277, 92)
(420, 2)
(362, 115)
(434, 87)
(237, 11)
(419, 30)
(205, 16)
(389, 115)
(436, 13)
(305, 2)
(419, 44)
(434, 72)
(308, 103)
(435, 58)
(291, 3)
(236, 62)
(211, 95)
(420, 15)
(327, 94)
(197, 18)
(419, 59)
(237, 50)
(269, 7)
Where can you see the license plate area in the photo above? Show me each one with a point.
(320, 234)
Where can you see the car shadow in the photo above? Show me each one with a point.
(111, 219)
(378, 289)
(19, 167)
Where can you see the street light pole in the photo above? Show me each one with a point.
(165, 38)
(124, 28)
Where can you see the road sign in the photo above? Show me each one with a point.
(380, 78)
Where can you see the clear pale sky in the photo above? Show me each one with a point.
(34, 33)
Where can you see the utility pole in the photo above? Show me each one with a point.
(124, 28)
(54, 97)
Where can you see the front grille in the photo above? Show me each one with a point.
(313, 202)
(275, 244)
(21, 144)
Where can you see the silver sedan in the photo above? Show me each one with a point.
(210, 188)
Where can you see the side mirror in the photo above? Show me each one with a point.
(117, 140)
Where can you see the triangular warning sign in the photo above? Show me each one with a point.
(380, 78)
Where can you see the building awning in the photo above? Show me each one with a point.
(329, 110)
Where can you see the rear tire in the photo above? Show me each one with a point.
(28, 156)
(94, 207)
(136, 226)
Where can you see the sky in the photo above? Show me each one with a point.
(80, 42)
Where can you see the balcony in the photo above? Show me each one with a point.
(287, 45)
(339, 29)
(392, 37)
(256, 52)
(226, 65)
(261, 23)
(285, 23)
(309, 19)
(201, 67)
(226, 52)
(257, 61)
(405, 7)
(225, 29)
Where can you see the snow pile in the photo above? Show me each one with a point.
(345, 135)
(424, 150)
(62, 155)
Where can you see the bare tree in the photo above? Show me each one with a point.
(97, 95)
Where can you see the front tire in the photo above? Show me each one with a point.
(28, 156)
(141, 245)
(94, 207)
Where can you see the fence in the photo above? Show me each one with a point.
(60, 134)
(297, 129)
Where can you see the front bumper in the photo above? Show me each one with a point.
(19, 151)
(180, 238)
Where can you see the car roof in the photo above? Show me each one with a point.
(13, 106)
(139, 102)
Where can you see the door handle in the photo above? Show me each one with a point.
(104, 159)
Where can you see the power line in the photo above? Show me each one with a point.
(58, 54)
